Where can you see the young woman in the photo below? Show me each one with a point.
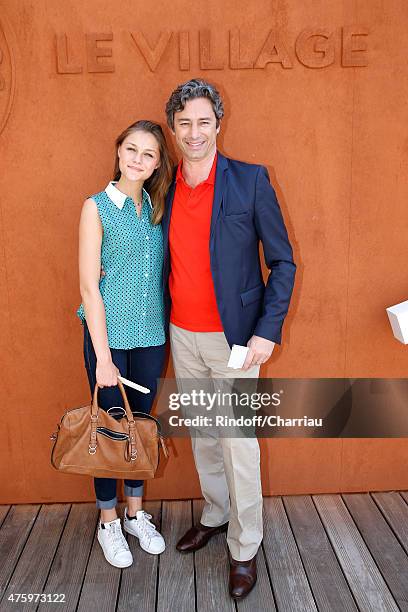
(122, 312)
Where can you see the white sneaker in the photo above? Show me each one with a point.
(114, 545)
(150, 540)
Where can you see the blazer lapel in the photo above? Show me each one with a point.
(220, 181)
(167, 215)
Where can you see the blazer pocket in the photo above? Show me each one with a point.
(240, 215)
(252, 295)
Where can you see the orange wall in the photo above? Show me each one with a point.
(333, 138)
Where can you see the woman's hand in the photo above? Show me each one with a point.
(106, 374)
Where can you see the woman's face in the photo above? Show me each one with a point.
(139, 156)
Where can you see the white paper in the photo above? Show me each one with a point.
(398, 317)
(238, 356)
(129, 383)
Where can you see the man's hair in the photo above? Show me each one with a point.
(195, 88)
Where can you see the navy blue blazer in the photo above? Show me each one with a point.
(245, 211)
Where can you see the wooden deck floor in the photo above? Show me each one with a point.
(321, 552)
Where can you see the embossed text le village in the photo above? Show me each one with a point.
(312, 48)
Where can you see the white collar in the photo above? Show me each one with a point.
(118, 197)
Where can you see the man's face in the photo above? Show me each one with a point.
(195, 130)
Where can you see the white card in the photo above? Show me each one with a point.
(238, 356)
(129, 383)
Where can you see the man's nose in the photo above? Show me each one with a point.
(194, 132)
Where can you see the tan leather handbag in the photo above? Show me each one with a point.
(90, 441)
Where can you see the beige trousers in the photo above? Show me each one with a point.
(228, 468)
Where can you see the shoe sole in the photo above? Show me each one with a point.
(112, 562)
(151, 552)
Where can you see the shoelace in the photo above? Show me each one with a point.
(146, 526)
(117, 537)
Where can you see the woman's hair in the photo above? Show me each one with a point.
(159, 182)
(195, 88)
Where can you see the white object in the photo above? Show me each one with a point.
(398, 316)
(238, 356)
(114, 545)
(149, 538)
(129, 383)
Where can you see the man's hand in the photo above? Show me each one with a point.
(260, 349)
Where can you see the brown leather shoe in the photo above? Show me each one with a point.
(242, 577)
(197, 537)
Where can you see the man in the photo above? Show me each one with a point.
(217, 211)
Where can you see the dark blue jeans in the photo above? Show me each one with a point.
(142, 365)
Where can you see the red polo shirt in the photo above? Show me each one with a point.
(193, 303)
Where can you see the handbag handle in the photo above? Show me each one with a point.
(95, 407)
(133, 433)
(132, 414)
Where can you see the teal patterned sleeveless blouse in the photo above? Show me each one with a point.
(132, 257)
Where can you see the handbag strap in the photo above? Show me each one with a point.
(159, 430)
(95, 407)
(133, 434)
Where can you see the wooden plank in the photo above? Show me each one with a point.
(404, 494)
(101, 583)
(261, 596)
(330, 588)
(13, 535)
(365, 580)
(3, 513)
(138, 585)
(395, 511)
(259, 599)
(289, 580)
(32, 568)
(70, 561)
(384, 547)
(176, 571)
(212, 570)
